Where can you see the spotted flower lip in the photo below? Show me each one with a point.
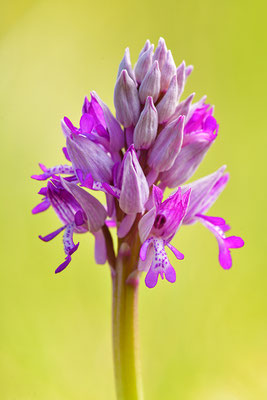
(157, 140)
(156, 230)
(69, 212)
(76, 209)
(50, 172)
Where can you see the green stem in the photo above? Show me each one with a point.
(125, 343)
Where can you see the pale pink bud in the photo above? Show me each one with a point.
(150, 85)
(126, 100)
(126, 64)
(145, 48)
(167, 104)
(143, 64)
(167, 71)
(160, 53)
(167, 146)
(134, 188)
(146, 129)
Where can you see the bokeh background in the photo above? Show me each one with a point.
(201, 338)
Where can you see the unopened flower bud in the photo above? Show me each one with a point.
(143, 64)
(150, 85)
(167, 71)
(167, 104)
(126, 100)
(126, 64)
(160, 53)
(145, 48)
(146, 129)
(167, 146)
(134, 189)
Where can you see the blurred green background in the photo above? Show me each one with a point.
(201, 338)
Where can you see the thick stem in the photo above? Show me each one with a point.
(125, 340)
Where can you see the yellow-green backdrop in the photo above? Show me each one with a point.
(201, 338)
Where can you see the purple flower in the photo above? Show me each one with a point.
(78, 211)
(204, 192)
(160, 225)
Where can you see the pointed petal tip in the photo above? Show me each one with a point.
(74, 249)
(62, 266)
(155, 65)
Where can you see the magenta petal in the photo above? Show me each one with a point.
(74, 248)
(213, 220)
(44, 205)
(170, 274)
(69, 124)
(89, 181)
(109, 190)
(42, 177)
(210, 124)
(86, 123)
(43, 191)
(234, 242)
(79, 174)
(43, 167)
(225, 258)
(66, 154)
(225, 227)
(51, 235)
(63, 265)
(78, 218)
(86, 105)
(151, 278)
(176, 252)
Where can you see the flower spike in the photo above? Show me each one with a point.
(157, 140)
